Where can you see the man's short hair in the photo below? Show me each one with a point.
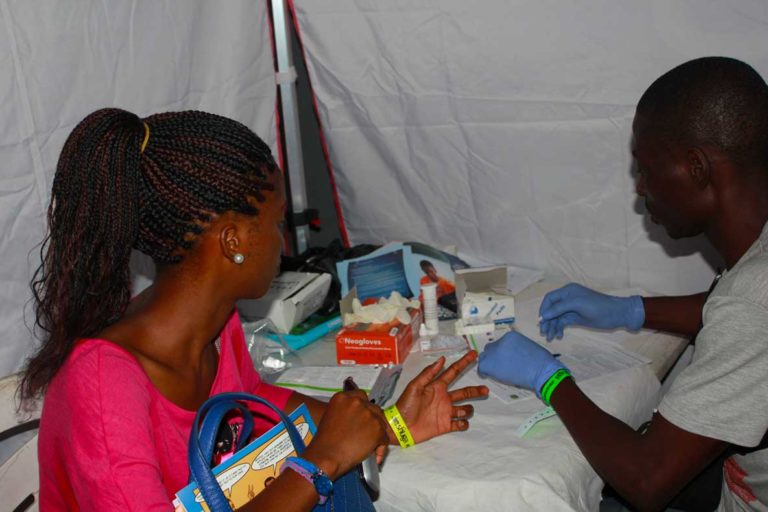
(712, 100)
(426, 263)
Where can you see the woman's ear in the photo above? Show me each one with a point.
(229, 241)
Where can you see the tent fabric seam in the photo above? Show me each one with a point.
(323, 138)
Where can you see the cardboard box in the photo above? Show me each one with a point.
(291, 298)
(365, 343)
(481, 295)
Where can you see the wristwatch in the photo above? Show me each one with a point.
(315, 475)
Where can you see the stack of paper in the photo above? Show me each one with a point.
(325, 381)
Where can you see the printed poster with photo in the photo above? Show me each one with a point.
(402, 267)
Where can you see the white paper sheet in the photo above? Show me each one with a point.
(586, 359)
(528, 312)
(518, 278)
(324, 381)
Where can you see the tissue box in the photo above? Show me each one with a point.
(365, 343)
(291, 298)
(481, 295)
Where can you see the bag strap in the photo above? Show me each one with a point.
(237, 349)
(213, 422)
(199, 464)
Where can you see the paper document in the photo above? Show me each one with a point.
(518, 278)
(585, 358)
(503, 392)
(528, 314)
(325, 381)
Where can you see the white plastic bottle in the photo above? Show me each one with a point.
(425, 340)
(429, 306)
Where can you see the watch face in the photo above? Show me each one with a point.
(323, 484)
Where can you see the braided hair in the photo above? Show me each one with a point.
(117, 190)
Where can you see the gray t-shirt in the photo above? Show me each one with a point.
(723, 394)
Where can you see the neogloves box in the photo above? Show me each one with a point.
(376, 343)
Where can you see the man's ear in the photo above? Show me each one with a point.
(229, 241)
(699, 167)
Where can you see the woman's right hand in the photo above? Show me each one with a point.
(350, 430)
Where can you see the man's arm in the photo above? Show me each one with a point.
(574, 304)
(679, 315)
(648, 470)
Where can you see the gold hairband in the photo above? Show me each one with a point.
(146, 137)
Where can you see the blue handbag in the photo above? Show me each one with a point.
(348, 495)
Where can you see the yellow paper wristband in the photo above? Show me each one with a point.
(399, 427)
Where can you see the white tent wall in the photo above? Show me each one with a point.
(503, 127)
(62, 60)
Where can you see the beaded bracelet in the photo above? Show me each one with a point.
(311, 473)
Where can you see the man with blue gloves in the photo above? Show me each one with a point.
(700, 142)
(593, 309)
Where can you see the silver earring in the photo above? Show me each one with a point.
(238, 258)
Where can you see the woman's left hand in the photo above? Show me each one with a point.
(426, 405)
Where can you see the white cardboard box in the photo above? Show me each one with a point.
(481, 294)
(291, 298)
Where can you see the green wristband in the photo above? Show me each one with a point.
(549, 387)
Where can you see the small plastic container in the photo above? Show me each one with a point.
(441, 344)
(429, 307)
(269, 352)
(425, 340)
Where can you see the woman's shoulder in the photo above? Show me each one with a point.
(90, 351)
(97, 367)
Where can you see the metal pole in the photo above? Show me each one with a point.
(286, 79)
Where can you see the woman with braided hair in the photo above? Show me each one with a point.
(122, 377)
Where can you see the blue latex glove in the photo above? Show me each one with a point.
(574, 304)
(518, 361)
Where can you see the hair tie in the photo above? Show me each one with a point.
(146, 137)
